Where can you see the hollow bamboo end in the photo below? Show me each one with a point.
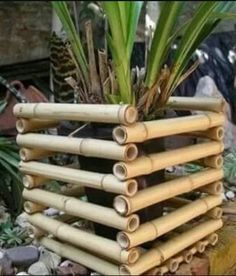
(213, 239)
(28, 181)
(23, 154)
(31, 207)
(188, 257)
(34, 232)
(122, 205)
(201, 247)
(131, 115)
(120, 135)
(133, 256)
(20, 125)
(218, 187)
(133, 223)
(120, 171)
(220, 133)
(123, 240)
(131, 187)
(173, 265)
(131, 152)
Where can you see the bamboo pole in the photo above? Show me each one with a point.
(148, 164)
(151, 230)
(215, 213)
(27, 154)
(212, 189)
(158, 255)
(35, 232)
(143, 131)
(81, 257)
(215, 161)
(30, 125)
(30, 181)
(215, 133)
(106, 182)
(32, 207)
(93, 243)
(127, 205)
(86, 210)
(196, 103)
(102, 113)
(82, 146)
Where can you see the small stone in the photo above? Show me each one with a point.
(22, 273)
(23, 255)
(38, 268)
(51, 212)
(71, 268)
(230, 195)
(22, 221)
(6, 266)
(51, 259)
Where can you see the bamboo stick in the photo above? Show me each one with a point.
(103, 113)
(149, 196)
(30, 125)
(81, 257)
(35, 232)
(30, 181)
(215, 133)
(151, 230)
(215, 161)
(215, 213)
(86, 210)
(148, 164)
(143, 131)
(82, 146)
(196, 103)
(106, 182)
(162, 253)
(213, 188)
(32, 207)
(88, 241)
(27, 154)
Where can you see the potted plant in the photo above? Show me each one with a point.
(114, 81)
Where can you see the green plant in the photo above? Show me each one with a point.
(11, 235)
(10, 181)
(151, 91)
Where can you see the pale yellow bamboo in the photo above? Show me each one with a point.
(215, 161)
(106, 182)
(215, 133)
(82, 146)
(148, 164)
(27, 154)
(32, 207)
(88, 241)
(143, 131)
(213, 189)
(79, 256)
(196, 103)
(153, 229)
(86, 210)
(30, 181)
(156, 256)
(215, 213)
(118, 114)
(149, 196)
(27, 125)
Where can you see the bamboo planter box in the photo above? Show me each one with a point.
(153, 246)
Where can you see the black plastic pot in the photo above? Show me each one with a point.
(101, 131)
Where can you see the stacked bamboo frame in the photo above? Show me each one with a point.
(187, 227)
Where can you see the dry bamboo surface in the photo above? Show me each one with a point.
(143, 131)
(155, 228)
(106, 182)
(148, 164)
(215, 161)
(149, 196)
(213, 189)
(108, 113)
(32, 207)
(82, 146)
(88, 241)
(30, 125)
(75, 191)
(160, 254)
(196, 103)
(81, 257)
(30, 181)
(215, 133)
(86, 210)
(35, 232)
(27, 154)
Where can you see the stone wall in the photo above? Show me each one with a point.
(25, 31)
